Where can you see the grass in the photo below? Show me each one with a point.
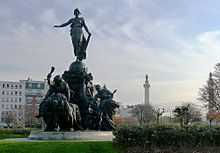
(50, 146)
(57, 147)
(90, 147)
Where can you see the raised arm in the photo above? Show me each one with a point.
(49, 75)
(64, 24)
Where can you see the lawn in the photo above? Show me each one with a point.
(57, 147)
(90, 147)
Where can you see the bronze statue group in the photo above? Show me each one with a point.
(72, 101)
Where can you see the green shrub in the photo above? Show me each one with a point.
(160, 136)
(14, 133)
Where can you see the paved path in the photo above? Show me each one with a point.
(29, 140)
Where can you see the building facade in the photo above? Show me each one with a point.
(12, 103)
(34, 94)
(19, 101)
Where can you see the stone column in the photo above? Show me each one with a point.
(146, 91)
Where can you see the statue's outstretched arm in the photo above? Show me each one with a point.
(64, 24)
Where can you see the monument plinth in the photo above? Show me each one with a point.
(77, 135)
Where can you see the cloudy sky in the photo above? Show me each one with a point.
(176, 42)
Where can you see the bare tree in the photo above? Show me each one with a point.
(30, 119)
(209, 94)
(143, 113)
(187, 113)
(159, 112)
(10, 118)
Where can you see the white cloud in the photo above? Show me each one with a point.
(48, 17)
(128, 41)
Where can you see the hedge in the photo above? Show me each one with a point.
(167, 136)
(14, 133)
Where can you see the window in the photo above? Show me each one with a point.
(3, 86)
(20, 93)
(19, 106)
(19, 99)
(15, 106)
(16, 86)
(12, 86)
(20, 86)
(7, 93)
(7, 85)
(12, 100)
(16, 92)
(3, 99)
(11, 93)
(7, 100)
(3, 106)
(11, 106)
(42, 86)
(3, 92)
(16, 100)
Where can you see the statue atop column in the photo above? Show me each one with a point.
(79, 41)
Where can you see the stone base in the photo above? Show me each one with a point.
(77, 135)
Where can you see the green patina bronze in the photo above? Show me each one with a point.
(79, 41)
(70, 103)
